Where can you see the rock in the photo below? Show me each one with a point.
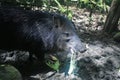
(13, 57)
(8, 72)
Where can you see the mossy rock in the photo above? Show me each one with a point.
(8, 72)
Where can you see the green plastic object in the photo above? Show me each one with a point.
(53, 63)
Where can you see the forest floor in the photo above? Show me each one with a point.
(101, 61)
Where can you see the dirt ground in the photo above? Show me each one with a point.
(101, 61)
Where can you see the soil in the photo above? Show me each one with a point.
(101, 61)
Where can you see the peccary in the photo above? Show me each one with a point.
(38, 32)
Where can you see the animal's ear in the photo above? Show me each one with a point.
(56, 21)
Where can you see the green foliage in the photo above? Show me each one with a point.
(23, 2)
(99, 5)
(31, 2)
(64, 10)
(62, 6)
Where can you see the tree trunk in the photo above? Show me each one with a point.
(112, 17)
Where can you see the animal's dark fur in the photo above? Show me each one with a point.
(37, 32)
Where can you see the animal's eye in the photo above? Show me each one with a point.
(67, 34)
(67, 40)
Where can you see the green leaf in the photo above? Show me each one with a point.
(85, 1)
(60, 6)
